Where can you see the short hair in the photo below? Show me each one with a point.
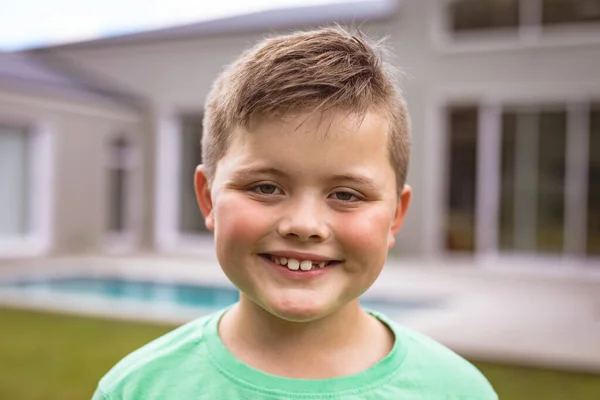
(318, 70)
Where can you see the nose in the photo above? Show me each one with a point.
(305, 220)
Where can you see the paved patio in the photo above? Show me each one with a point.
(502, 314)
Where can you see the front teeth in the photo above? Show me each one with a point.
(305, 265)
(295, 265)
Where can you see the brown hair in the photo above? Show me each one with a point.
(317, 70)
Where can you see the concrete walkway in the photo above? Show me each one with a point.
(502, 314)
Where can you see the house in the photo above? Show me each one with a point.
(505, 103)
(64, 186)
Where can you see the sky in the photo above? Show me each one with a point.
(34, 23)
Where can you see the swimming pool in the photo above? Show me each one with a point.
(116, 294)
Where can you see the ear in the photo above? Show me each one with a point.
(400, 213)
(203, 197)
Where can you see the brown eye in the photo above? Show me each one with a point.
(266, 189)
(344, 196)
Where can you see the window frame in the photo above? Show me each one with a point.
(127, 240)
(168, 237)
(529, 34)
(577, 98)
(38, 240)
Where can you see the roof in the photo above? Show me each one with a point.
(352, 11)
(35, 72)
(22, 67)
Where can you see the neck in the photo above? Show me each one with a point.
(264, 341)
(267, 328)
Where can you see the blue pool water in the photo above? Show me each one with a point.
(193, 296)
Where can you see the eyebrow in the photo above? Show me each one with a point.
(250, 172)
(360, 180)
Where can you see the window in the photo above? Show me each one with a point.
(507, 181)
(532, 176)
(526, 21)
(593, 198)
(474, 15)
(544, 177)
(119, 177)
(460, 220)
(556, 12)
(190, 217)
(26, 188)
(14, 181)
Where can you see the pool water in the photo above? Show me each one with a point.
(202, 297)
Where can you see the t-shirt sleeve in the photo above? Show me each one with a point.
(100, 395)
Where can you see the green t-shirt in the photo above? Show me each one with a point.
(192, 362)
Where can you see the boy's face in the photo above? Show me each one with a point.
(309, 188)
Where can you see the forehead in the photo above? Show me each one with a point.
(314, 143)
(334, 127)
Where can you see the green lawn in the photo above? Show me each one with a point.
(47, 356)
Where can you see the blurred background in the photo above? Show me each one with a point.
(102, 247)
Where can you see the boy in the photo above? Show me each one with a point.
(305, 156)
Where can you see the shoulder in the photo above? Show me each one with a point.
(437, 367)
(169, 352)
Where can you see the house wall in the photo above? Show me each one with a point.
(177, 75)
(78, 131)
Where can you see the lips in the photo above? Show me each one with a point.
(295, 263)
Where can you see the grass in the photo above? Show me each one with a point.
(48, 356)
(519, 383)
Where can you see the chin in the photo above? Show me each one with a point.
(298, 313)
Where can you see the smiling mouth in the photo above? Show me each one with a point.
(299, 265)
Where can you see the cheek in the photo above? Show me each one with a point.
(366, 233)
(239, 222)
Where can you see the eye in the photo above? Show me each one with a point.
(345, 196)
(266, 189)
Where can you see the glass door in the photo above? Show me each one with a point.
(462, 145)
(532, 180)
(523, 179)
